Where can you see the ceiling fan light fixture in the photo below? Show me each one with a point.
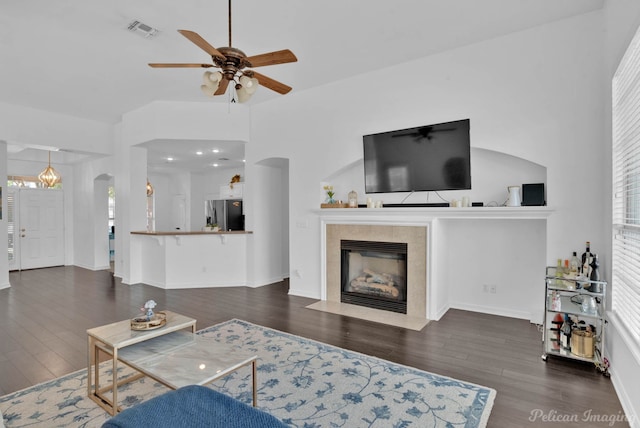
(210, 77)
(250, 84)
(243, 94)
(209, 90)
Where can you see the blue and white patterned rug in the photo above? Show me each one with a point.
(303, 382)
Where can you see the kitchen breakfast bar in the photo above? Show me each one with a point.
(178, 259)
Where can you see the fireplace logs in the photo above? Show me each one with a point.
(380, 284)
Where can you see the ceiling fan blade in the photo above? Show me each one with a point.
(201, 43)
(278, 57)
(179, 65)
(274, 85)
(222, 87)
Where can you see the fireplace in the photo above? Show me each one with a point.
(374, 274)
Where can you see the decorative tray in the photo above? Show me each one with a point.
(140, 322)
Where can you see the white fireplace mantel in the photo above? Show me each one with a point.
(438, 222)
(397, 213)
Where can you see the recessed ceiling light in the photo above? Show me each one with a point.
(169, 159)
(199, 153)
(244, 160)
(215, 151)
(214, 164)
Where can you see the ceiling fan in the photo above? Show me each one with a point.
(232, 63)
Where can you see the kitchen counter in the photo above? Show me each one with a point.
(179, 232)
(180, 259)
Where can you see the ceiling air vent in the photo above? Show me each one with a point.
(142, 29)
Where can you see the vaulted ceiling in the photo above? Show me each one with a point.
(77, 57)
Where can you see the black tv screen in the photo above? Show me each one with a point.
(424, 158)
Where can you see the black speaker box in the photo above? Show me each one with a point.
(533, 195)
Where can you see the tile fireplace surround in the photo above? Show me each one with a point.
(416, 239)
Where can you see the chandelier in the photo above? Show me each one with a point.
(50, 177)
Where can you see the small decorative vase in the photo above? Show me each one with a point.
(353, 199)
(330, 200)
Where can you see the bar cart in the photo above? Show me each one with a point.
(574, 319)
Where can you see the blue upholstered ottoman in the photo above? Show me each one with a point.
(193, 406)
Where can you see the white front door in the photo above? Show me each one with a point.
(41, 228)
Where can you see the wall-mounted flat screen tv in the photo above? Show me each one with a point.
(424, 158)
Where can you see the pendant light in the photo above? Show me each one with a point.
(149, 188)
(50, 177)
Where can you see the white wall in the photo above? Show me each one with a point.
(266, 211)
(53, 129)
(535, 94)
(162, 200)
(90, 222)
(517, 278)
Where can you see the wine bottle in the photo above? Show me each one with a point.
(586, 256)
(574, 265)
(556, 324)
(565, 333)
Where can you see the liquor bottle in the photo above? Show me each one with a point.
(586, 256)
(574, 265)
(565, 333)
(559, 273)
(556, 324)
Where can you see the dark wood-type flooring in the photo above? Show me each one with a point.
(44, 316)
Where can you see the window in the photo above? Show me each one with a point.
(30, 182)
(11, 226)
(626, 192)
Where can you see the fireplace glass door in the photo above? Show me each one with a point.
(374, 274)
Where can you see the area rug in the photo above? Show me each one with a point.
(302, 382)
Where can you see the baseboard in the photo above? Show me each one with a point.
(5, 285)
(263, 282)
(625, 401)
(303, 293)
(491, 310)
(185, 285)
(92, 268)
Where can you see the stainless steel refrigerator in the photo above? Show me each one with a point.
(226, 213)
